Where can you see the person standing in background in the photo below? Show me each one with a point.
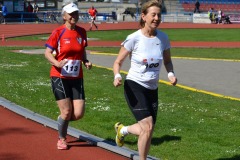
(35, 7)
(197, 7)
(29, 8)
(93, 13)
(69, 42)
(219, 16)
(147, 49)
(211, 15)
(3, 12)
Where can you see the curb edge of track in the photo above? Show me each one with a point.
(47, 122)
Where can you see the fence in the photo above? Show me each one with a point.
(54, 16)
(23, 17)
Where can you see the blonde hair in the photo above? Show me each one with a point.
(145, 7)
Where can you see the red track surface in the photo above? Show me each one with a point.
(24, 139)
(13, 30)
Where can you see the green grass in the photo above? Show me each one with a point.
(190, 125)
(174, 35)
(214, 35)
(216, 53)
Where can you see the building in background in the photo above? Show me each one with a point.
(20, 5)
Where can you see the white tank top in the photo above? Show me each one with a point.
(146, 57)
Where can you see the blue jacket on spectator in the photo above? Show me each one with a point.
(4, 10)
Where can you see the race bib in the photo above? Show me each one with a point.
(151, 68)
(71, 68)
(150, 65)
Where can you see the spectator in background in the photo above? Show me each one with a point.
(197, 7)
(227, 20)
(29, 8)
(3, 12)
(211, 15)
(219, 16)
(128, 12)
(35, 8)
(93, 13)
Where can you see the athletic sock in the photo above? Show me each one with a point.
(124, 130)
(62, 127)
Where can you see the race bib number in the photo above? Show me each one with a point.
(150, 65)
(151, 68)
(153, 64)
(71, 68)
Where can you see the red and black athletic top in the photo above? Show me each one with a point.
(70, 45)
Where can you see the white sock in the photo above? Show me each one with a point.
(124, 130)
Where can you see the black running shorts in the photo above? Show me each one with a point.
(67, 88)
(142, 102)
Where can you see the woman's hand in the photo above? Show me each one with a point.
(173, 80)
(61, 63)
(88, 64)
(117, 82)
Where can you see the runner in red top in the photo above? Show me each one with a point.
(65, 50)
(93, 13)
(68, 44)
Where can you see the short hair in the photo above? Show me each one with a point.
(145, 8)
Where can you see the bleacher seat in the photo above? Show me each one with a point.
(212, 1)
(224, 5)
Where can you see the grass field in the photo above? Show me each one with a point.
(215, 35)
(190, 125)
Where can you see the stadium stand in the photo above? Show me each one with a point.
(229, 6)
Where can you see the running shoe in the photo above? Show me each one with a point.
(62, 144)
(119, 137)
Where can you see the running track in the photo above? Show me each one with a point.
(13, 30)
(24, 139)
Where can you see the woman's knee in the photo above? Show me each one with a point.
(78, 109)
(78, 116)
(66, 113)
(147, 126)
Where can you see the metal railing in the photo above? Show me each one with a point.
(23, 17)
(54, 17)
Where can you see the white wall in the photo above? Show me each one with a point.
(201, 18)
